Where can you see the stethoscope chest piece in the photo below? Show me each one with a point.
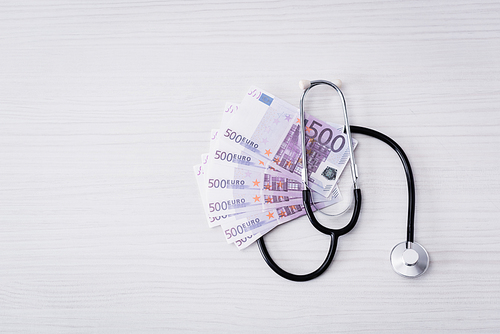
(409, 259)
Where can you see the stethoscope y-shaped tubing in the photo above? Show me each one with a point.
(357, 206)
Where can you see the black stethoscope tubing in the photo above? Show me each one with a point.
(335, 233)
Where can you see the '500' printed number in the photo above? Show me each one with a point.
(325, 136)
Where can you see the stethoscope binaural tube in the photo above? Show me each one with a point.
(306, 193)
(306, 86)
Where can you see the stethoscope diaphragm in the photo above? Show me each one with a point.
(409, 259)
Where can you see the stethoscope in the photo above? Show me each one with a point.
(408, 258)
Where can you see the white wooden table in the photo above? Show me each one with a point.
(105, 106)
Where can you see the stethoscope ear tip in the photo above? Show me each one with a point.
(409, 259)
(304, 84)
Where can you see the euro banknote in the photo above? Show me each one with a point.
(213, 221)
(228, 179)
(266, 132)
(224, 203)
(221, 206)
(246, 229)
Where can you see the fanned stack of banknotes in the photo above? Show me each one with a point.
(250, 181)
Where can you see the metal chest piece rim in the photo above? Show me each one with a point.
(409, 259)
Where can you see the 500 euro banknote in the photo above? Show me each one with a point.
(253, 226)
(266, 132)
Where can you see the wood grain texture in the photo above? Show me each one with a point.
(105, 106)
